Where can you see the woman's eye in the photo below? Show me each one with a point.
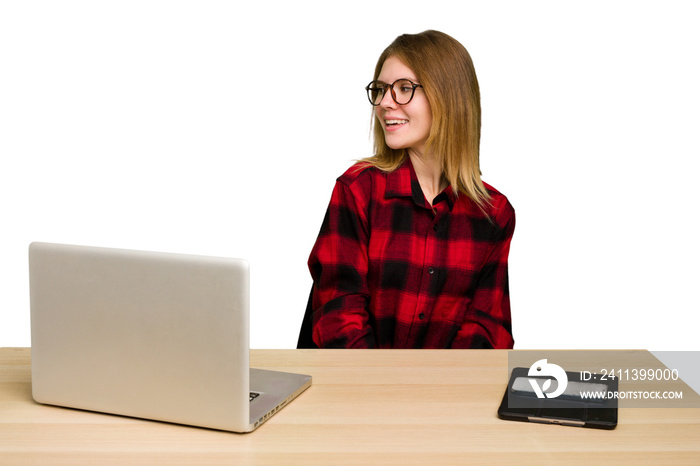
(404, 86)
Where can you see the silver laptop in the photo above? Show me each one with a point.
(149, 335)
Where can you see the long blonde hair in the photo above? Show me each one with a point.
(445, 70)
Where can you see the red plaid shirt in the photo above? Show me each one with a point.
(390, 271)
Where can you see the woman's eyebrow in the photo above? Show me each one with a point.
(399, 79)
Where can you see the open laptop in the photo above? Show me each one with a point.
(150, 335)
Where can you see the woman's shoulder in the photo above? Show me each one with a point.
(500, 209)
(360, 173)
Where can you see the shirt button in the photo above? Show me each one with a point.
(421, 316)
(431, 270)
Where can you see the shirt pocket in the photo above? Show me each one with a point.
(451, 309)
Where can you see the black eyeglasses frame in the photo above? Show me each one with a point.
(384, 86)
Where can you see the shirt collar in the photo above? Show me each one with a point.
(403, 182)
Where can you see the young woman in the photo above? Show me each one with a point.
(413, 250)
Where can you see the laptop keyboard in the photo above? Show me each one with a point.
(254, 395)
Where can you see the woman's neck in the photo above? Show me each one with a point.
(429, 173)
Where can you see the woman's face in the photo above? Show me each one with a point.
(405, 126)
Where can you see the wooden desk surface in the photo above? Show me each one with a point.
(364, 407)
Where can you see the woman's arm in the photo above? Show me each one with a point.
(338, 265)
(487, 323)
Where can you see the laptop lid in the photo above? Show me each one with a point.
(144, 334)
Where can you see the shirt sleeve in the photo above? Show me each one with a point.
(487, 323)
(338, 264)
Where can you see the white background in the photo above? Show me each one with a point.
(218, 128)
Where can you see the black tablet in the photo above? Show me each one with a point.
(582, 403)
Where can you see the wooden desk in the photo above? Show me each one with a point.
(364, 407)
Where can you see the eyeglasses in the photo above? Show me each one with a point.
(402, 91)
